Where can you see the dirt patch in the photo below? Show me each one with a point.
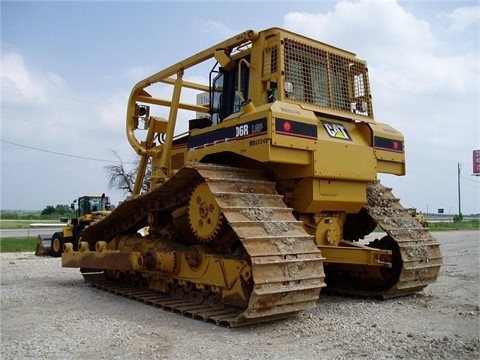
(49, 312)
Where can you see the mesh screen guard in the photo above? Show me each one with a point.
(319, 77)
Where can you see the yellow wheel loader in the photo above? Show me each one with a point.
(262, 197)
(419, 216)
(89, 209)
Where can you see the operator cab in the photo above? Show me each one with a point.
(226, 97)
(89, 204)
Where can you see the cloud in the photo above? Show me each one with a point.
(38, 102)
(365, 26)
(112, 111)
(426, 72)
(218, 28)
(462, 18)
(56, 139)
(28, 100)
(423, 82)
(422, 74)
(138, 73)
(386, 36)
(401, 49)
(20, 84)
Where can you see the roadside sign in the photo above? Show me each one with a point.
(476, 162)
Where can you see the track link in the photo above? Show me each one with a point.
(191, 304)
(417, 257)
(287, 268)
(420, 251)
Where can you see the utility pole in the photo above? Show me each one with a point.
(459, 202)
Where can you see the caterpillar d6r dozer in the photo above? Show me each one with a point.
(262, 199)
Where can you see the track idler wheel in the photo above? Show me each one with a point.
(388, 277)
(366, 280)
(204, 215)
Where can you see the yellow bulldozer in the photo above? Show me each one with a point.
(264, 196)
(89, 209)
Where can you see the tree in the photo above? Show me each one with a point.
(63, 209)
(59, 210)
(49, 209)
(123, 179)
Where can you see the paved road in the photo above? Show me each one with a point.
(30, 232)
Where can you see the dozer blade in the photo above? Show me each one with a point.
(43, 245)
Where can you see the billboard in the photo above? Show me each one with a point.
(476, 162)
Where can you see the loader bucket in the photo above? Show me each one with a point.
(43, 245)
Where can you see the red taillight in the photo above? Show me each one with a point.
(287, 126)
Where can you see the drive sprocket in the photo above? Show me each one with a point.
(204, 215)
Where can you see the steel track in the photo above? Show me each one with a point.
(419, 258)
(287, 268)
(192, 304)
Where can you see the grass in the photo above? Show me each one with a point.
(461, 225)
(448, 226)
(22, 224)
(18, 244)
(29, 244)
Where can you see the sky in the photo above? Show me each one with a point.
(67, 69)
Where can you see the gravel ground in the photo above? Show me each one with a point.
(49, 312)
